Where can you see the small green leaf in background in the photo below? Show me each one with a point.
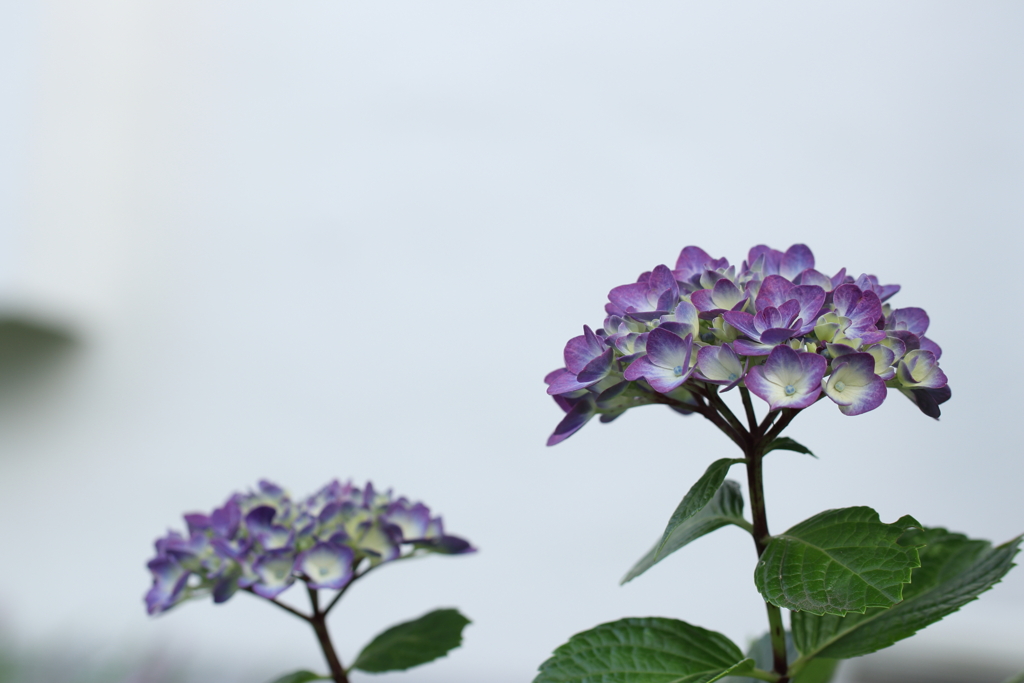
(784, 443)
(817, 671)
(301, 677)
(725, 507)
(647, 650)
(836, 562)
(954, 570)
(413, 643)
(1019, 678)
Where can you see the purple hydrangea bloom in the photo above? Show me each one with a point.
(264, 541)
(706, 325)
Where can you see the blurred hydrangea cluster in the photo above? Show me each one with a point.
(264, 541)
(775, 325)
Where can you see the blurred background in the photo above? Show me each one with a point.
(313, 240)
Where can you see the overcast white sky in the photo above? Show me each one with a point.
(335, 240)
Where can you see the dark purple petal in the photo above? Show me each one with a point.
(573, 420)
(777, 335)
(929, 400)
(447, 545)
(597, 369)
(225, 587)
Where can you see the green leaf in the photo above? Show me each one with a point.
(836, 562)
(644, 650)
(301, 677)
(784, 443)
(699, 495)
(954, 570)
(725, 507)
(817, 671)
(1019, 678)
(413, 643)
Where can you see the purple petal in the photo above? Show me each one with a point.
(662, 281)
(774, 292)
(797, 259)
(581, 350)
(810, 298)
(597, 369)
(845, 298)
(274, 570)
(764, 260)
(564, 383)
(632, 297)
(726, 294)
(929, 400)
(744, 322)
(573, 420)
(637, 369)
(691, 263)
(914, 320)
(225, 520)
(747, 348)
(703, 300)
(667, 350)
(719, 364)
(664, 380)
(813, 277)
(449, 545)
(777, 335)
(928, 345)
(853, 384)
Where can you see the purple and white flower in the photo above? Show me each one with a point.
(788, 379)
(264, 541)
(706, 325)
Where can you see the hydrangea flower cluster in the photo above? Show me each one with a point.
(775, 326)
(263, 542)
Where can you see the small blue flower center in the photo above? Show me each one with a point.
(732, 376)
(840, 385)
(790, 390)
(678, 370)
(707, 337)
